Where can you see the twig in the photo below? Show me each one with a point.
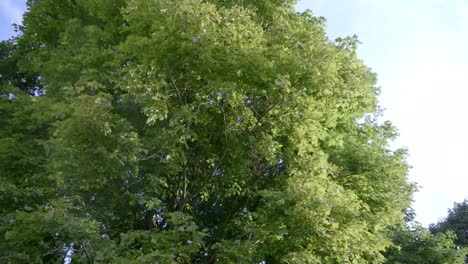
(264, 115)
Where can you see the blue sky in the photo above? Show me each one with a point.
(11, 11)
(419, 50)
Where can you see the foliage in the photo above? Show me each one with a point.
(417, 244)
(191, 131)
(457, 222)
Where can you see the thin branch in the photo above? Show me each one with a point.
(225, 142)
(178, 92)
(52, 251)
(266, 113)
(86, 253)
(152, 156)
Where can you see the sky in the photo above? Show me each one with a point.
(419, 49)
(11, 11)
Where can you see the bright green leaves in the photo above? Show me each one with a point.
(318, 219)
(193, 38)
(150, 90)
(376, 174)
(197, 131)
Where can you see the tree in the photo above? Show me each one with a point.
(193, 131)
(457, 222)
(415, 244)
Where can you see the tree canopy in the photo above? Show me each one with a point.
(457, 222)
(414, 244)
(191, 131)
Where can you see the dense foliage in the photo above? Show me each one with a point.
(191, 131)
(414, 244)
(417, 245)
(457, 222)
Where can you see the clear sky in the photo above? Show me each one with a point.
(419, 49)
